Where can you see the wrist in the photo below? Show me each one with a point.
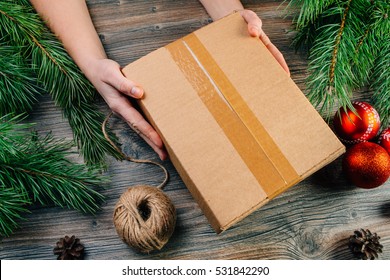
(220, 8)
(90, 66)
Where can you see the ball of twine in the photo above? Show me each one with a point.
(145, 218)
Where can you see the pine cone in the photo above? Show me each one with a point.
(365, 245)
(69, 248)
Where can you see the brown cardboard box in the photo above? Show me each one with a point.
(236, 127)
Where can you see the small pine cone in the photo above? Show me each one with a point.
(365, 245)
(69, 248)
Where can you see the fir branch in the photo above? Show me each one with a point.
(309, 11)
(381, 73)
(372, 62)
(56, 72)
(40, 168)
(10, 133)
(47, 55)
(18, 85)
(362, 39)
(345, 41)
(330, 80)
(37, 169)
(308, 17)
(12, 207)
(337, 44)
(366, 51)
(366, 48)
(19, 23)
(67, 189)
(86, 120)
(76, 98)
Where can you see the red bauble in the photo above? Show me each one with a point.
(367, 165)
(384, 139)
(352, 128)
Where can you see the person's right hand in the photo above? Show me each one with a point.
(109, 81)
(255, 29)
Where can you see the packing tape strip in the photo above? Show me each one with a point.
(257, 130)
(268, 164)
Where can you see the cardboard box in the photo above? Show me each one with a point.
(236, 127)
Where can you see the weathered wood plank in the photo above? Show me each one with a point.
(312, 220)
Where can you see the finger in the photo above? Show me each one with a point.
(254, 22)
(144, 129)
(274, 51)
(255, 29)
(121, 106)
(115, 78)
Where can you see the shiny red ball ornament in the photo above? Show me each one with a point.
(384, 139)
(354, 128)
(367, 165)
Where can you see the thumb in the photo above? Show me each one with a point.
(117, 80)
(253, 21)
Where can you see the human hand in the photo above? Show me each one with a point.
(255, 30)
(106, 76)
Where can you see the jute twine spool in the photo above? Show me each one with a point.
(144, 216)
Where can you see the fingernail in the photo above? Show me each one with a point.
(255, 31)
(136, 92)
(163, 155)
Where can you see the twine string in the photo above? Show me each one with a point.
(128, 158)
(144, 216)
(149, 231)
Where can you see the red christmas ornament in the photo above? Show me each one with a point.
(367, 165)
(352, 128)
(384, 139)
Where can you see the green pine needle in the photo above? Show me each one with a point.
(12, 207)
(85, 120)
(41, 63)
(37, 169)
(18, 85)
(330, 79)
(309, 11)
(381, 82)
(348, 46)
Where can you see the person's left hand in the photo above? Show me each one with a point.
(106, 76)
(255, 30)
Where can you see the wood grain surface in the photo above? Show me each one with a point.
(312, 220)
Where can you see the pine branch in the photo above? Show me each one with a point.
(86, 120)
(10, 133)
(308, 17)
(76, 98)
(366, 48)
(381, 72)
(57, 74)
(330, 80)
(37, 169)
(381, 85)
(12, 207)
(18, 23)
(67, 189)
(40, 169)
(345, 40)
(47, 55)
(337, 44)
(18, 85)
(309, 11)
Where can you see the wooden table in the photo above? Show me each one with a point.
(312, 220)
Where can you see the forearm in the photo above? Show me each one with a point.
(220, 8)
(71, 22)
